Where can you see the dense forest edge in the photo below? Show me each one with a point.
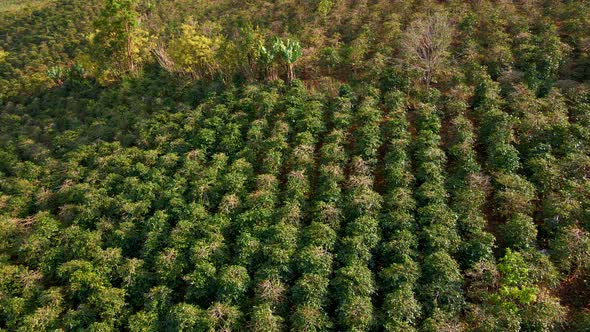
(294, 165)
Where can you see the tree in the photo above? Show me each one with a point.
(541, 54)
(425, 44)
(516, 287)
(441, 285)
(248, 48)
(3, 55)
(508, 297)
(290, 51)
(187, 317)
(324, 7)
(119, 41)
(195, 54)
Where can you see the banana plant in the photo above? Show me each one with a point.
(56, 74)
(266, 58)
(290, 51)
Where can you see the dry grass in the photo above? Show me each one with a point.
(14, 6)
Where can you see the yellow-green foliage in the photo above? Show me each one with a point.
(3, 55)
(194, 53)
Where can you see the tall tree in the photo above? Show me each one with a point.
(195, 53)
(425, 44)
(119, 40)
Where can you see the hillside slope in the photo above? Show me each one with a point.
(294, 166)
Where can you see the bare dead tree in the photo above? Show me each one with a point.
(425, 44)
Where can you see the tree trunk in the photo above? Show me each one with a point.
(290, 73)
(130, 49)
